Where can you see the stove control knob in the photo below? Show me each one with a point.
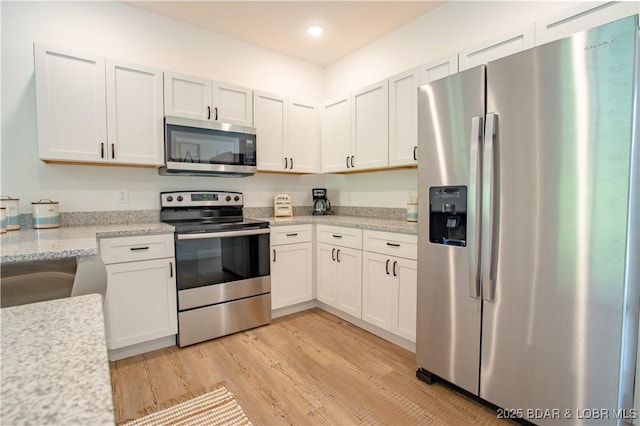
(169, 198)
(228, 198)
(236, 198)
(180, 198)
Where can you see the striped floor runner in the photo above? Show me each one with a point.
(218, 407)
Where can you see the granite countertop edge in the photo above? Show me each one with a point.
(75, 241)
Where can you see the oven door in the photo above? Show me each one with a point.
(219, 267)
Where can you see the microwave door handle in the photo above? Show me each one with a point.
(473, 206)
(211, 235)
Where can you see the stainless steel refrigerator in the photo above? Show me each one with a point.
(529, 206)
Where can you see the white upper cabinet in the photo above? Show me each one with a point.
(496, 48)
(403, 118)
(203, 99)
(287, 134)
(336, 135)
(356, 130)
(439, 68)
(77, 94)
(271, 120)
(134, 112)
(370, 108)
(582, 17)
(302, 146)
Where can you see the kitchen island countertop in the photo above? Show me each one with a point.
(54, 363)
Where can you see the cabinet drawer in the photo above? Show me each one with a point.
(290, 234)
(339, 236)
(392, 244)
(132, 249)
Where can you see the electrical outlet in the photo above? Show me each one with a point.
(123, 196)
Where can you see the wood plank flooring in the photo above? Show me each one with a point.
(307, 368)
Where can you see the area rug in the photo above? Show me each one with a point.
(218, 407)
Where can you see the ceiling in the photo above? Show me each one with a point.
(281, 25)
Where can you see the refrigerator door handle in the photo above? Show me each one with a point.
(473, 208)
(489, 191)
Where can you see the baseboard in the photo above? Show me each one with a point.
(288, 310)
(140, 348)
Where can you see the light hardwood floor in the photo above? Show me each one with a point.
(306, 368)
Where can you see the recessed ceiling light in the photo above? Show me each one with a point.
(315, 30)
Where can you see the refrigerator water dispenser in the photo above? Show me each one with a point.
(448, 215)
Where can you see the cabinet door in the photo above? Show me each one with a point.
(302, 147)
(438, 68)
(403, 118)
(232, 104)
(336, 135)
(370, 129)
(270, 117)
(140, 302)
(582, 17)
(327, 275)
(404, 297)
(349, 291)
(135, 116)
(499, 47)
(377, 289)
(187, 96)
(291, 274)
(71, 105)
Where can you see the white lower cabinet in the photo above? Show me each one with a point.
(291, 265)
(389, 283)
(339, 273)
(140, 302)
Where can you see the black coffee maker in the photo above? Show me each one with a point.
(321, 204)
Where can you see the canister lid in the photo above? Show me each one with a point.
(46, 201)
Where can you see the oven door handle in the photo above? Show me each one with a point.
(209, 235)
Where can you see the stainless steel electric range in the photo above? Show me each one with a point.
(222, 264)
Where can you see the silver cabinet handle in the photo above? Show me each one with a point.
(474, 207)
(489, 191)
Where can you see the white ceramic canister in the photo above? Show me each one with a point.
(12, 214)
(45, 214)
(3, 220)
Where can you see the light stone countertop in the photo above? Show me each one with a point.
(55, 369)
(375, 224)
(69, 241)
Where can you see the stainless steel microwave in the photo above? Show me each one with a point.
(207, 148)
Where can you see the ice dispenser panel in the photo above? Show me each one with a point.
(448, 215)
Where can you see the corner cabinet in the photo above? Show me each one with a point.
(356, 130)
(97, 110)
(203, 99)
(339, 268)
(291, 265)
(140, 302)
(288, 133)
(389, 282)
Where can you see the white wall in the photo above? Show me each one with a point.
(125, 32)
(121, 31)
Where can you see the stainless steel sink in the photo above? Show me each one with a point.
(41, 280)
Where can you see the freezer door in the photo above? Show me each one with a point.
(449, 138)
(552, 331)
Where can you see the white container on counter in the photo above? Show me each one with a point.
(45, 214)
(12, 213)
(3, 220)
